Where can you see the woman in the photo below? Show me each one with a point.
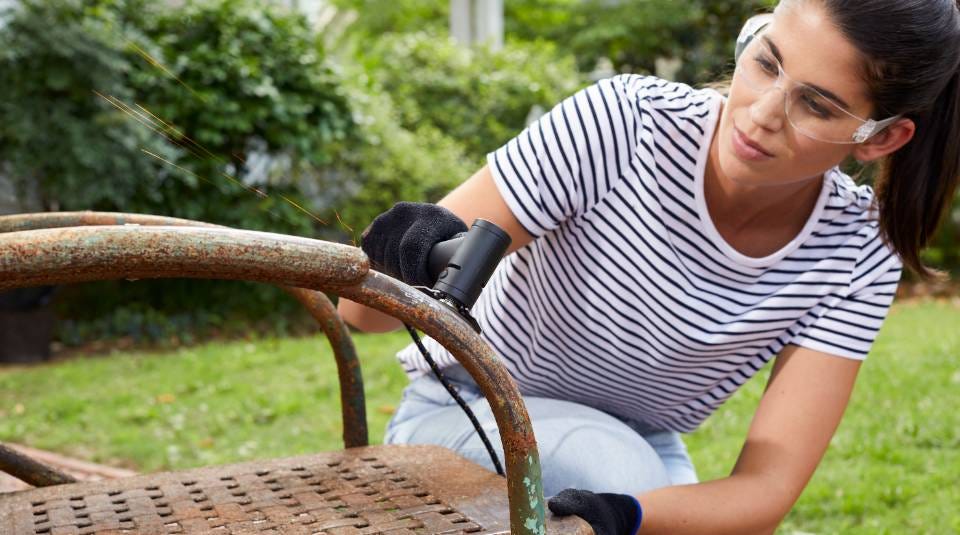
(668, 242)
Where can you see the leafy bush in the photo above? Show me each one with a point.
(630, 33)
(427, 110)
(390, 163)
(251, 86)
(634, 33)
(54, 130)
(248, 84)
(374, 18)
(476, 96)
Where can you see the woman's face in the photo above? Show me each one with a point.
(755, 144)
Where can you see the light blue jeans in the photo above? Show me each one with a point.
(579, 447)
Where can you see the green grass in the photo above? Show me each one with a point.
(210, 404)
(893, 466)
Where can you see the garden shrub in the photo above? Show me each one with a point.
(248, 83)
(251, 86)
(55, 132)
(480, 98)
(389, 163)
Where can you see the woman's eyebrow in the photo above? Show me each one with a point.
(829, 94)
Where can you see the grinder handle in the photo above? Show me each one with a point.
(441, 253)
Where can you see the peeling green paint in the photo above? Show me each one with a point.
(534, 524)
(534, 527)
(531, 492)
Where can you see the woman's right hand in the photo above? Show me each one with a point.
(478, 197)
(398, 241)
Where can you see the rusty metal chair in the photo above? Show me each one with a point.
(360, 490)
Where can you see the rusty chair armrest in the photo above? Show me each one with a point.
(33, 251)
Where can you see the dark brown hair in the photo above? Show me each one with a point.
(912, 50)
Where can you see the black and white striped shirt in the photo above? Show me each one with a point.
(629, 300)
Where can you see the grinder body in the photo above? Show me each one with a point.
(463, 265)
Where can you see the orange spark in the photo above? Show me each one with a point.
(168, 162)
(156, 63)
(302, 209)
(353, 235)
(174, 129)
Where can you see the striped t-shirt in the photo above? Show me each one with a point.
(628, 299)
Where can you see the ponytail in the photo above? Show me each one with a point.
(912, 69)
(915, 186)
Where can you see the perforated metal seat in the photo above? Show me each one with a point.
(360, 490)
(400, 490)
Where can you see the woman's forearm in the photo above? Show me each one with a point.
(739, 504)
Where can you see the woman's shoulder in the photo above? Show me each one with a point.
(659, 92)
(852, 210)
(850, 202)
(674, 108)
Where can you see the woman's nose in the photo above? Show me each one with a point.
(769, 109)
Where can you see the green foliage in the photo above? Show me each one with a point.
(476, 96)
(53, 127)
(390, 162)
(631, 33)
(377, 17)
(242, 93)
(246, 84)
(944, 252)
(634, 33)
(248, 78)
(230, 83)
(174, 311)
(427, 111)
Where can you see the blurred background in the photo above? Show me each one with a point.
(341, 106)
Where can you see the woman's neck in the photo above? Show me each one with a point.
(757, 220)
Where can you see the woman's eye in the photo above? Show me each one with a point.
(815, 104)
(768, 66)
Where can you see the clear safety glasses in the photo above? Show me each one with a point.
(812, 112)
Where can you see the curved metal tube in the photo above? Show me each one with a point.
(27, 469)
(57, 256)
(524, 484)
(42, 220)
(352, 398)
(82, 254)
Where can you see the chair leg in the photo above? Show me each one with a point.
(29, 470)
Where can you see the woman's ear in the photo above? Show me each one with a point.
(886, 142)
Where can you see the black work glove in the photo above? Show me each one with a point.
(607, 514)
(398, 241)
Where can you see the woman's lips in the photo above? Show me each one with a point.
(747, 149)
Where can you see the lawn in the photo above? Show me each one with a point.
(893, 467)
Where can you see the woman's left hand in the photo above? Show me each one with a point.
(607, 514)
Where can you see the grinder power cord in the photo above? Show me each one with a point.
(429, 247)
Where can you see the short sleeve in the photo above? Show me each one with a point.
(847, 325)
(562, 164)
